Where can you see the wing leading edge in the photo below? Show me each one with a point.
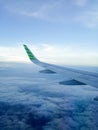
(73, 74)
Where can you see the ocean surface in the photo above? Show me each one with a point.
(30, 100)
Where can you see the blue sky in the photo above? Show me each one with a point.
(58, 31)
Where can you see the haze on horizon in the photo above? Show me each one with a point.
(57, 31)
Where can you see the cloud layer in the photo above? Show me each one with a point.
(51, 53)
(31, 100)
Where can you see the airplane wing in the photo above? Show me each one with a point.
(77, 77)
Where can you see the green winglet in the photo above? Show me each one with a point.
(30, 55)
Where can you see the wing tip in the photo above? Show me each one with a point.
(24, 45)
(29, 53)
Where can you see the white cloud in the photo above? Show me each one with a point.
(44, 10)
(12, 54)
(31, 14)
(62, 11)
(51, 54)
(50, 11)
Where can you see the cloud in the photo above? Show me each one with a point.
(67, 54)
(11, 54)
(41, 10)
(31, 14)
(52, 11)
(52, 54)
(39, 104)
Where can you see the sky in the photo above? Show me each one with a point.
(57, 31)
